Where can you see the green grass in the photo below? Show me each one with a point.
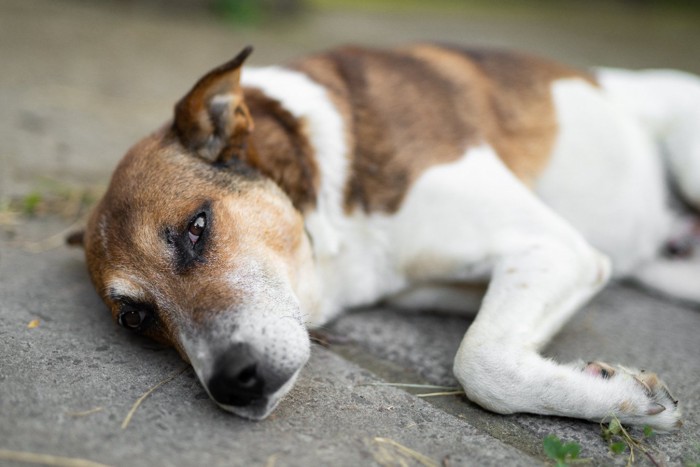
(519, 8)
(563, 454)
(398, 5)
(49, 197)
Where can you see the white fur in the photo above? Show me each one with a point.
(666, 104)
(677, 279)
(605, 171)
(125, 287)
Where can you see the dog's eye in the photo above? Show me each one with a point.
(196, 228)
(132, 319)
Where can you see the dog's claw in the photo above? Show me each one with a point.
(645, 385)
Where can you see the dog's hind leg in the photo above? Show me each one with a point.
(541, 271)
(667, 104)
(674, 278)
(677, 274)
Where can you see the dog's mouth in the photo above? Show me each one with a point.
(246, 384)
(257, 408)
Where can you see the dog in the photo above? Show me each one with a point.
(278, 197)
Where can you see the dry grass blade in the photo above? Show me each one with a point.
(138, 402)
(444, 393)
(46, 459)
(384, 456)
(8, 218)
(85, 413)
(54, 241)
(412, 386)
(272, 460)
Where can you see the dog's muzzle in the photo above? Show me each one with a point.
(247, 361)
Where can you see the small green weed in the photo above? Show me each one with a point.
(31, 202)
(620, 441)
(693, 462)
(51, 198)
(560, 452)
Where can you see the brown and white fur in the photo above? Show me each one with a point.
(278, 197)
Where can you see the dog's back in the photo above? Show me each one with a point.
(408, 109)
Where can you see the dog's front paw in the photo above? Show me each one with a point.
(645, 398)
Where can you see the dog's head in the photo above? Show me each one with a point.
(195, 248)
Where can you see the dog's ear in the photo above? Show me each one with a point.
(76, 238)
(213, 119)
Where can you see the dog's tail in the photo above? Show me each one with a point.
(667, 103)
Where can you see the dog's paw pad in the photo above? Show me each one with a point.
(600, 369)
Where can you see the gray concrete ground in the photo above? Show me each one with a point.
(81, 81)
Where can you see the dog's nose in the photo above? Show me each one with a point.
(237, 378)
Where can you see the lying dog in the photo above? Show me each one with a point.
(278, 197)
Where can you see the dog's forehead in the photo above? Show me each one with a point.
(159, 168)
(154, 184)
(159, 177)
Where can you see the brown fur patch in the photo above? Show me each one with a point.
(519, 110)
(280, 149)
(391, 135)
(407, 110)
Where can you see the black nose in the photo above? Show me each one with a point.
(237, 378)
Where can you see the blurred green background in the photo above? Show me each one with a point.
(251, 11)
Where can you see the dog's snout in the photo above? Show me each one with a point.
(237, 379)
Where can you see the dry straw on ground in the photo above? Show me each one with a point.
(46, 459)
(390, 453)
(138, 402)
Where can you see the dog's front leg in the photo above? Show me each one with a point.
(533, 292)
(542, 271)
